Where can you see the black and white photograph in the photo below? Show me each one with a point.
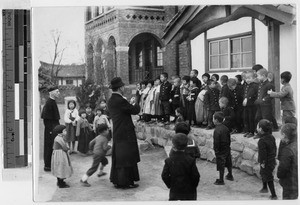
(158, 103)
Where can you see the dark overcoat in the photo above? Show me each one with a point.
(50, 115)
(181, 176)
(125, 152)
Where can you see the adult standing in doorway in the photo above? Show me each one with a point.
(125, 152)
(50, 115)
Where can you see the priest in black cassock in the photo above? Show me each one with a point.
(50, 115)
(125, 151)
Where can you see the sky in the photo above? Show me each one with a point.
(69, 21)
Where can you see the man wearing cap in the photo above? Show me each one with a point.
(125, 152)
(50, 115)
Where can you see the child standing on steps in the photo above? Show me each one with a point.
(61, 164)
(100, 147)
(221, 137)
(70, 117)
(266, 156)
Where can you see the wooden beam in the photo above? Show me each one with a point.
(273, 12)
(273, 59)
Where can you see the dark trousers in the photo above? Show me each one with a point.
(238, 112)
(249, 119)
(165, 110)
(210, 117)
(48, 140)
(264, 112)
(97, 159)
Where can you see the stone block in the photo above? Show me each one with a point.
(239, 162)
(251, 143)
(157, 131)
(143, 146)
(140, 136)
(237, 146)
(161, 141)
(235, 156)
(196, 132)
(209, 143)
(247, 166)
(147, 130)
(248, 153)
(255, 157)
(203, 152)
(154, 140)
(256, 170)
(208, 135)
(201, 141)
(211, 155)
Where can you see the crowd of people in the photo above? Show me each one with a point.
(244, 104)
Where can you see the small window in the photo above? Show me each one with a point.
(69, 82)
(159, 56)
(230, 53)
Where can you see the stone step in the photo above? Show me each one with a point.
(244, 151)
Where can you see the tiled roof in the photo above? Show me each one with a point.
(72, 70)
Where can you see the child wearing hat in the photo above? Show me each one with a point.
(100, 147)
(83, 130)
(180, 173)
(60, 163)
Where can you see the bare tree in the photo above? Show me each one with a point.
(57, 56)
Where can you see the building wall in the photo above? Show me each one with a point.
(124, 23)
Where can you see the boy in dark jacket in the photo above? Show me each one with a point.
(211, 102)
(100, 147)
(288, 162)
(222, 149)
(266, 156)
(180, 173)
(175, 96)
(165, 96)
(250, 95)
(236, 102)
(264, 101)
(229, 116)
(225, 89)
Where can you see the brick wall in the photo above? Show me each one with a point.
(184, 59)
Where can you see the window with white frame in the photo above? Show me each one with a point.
(230, 53)
(159, 56)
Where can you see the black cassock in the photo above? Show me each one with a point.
(125, 152)
(50, 115)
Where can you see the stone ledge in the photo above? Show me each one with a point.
(244, 151)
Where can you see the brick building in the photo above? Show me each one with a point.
(126, 42)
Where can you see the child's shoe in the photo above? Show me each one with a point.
(101, 174)
(245, 134)
(219, 182)
(229, 177)
(264, 190)
(84, 183)
(273, 197)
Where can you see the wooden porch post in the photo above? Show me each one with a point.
(273, 59)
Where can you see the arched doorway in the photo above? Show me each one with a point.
(145, 58)
(90, 62)
(111, 57)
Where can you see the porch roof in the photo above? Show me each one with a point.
(191, 21)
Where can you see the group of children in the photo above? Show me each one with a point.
(244, 100)
(195, 103)
(181, 176)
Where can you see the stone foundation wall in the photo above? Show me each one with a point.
(244, 151)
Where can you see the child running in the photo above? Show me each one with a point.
(60, 163)
(100, 147)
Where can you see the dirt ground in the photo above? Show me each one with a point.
(152, 188)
